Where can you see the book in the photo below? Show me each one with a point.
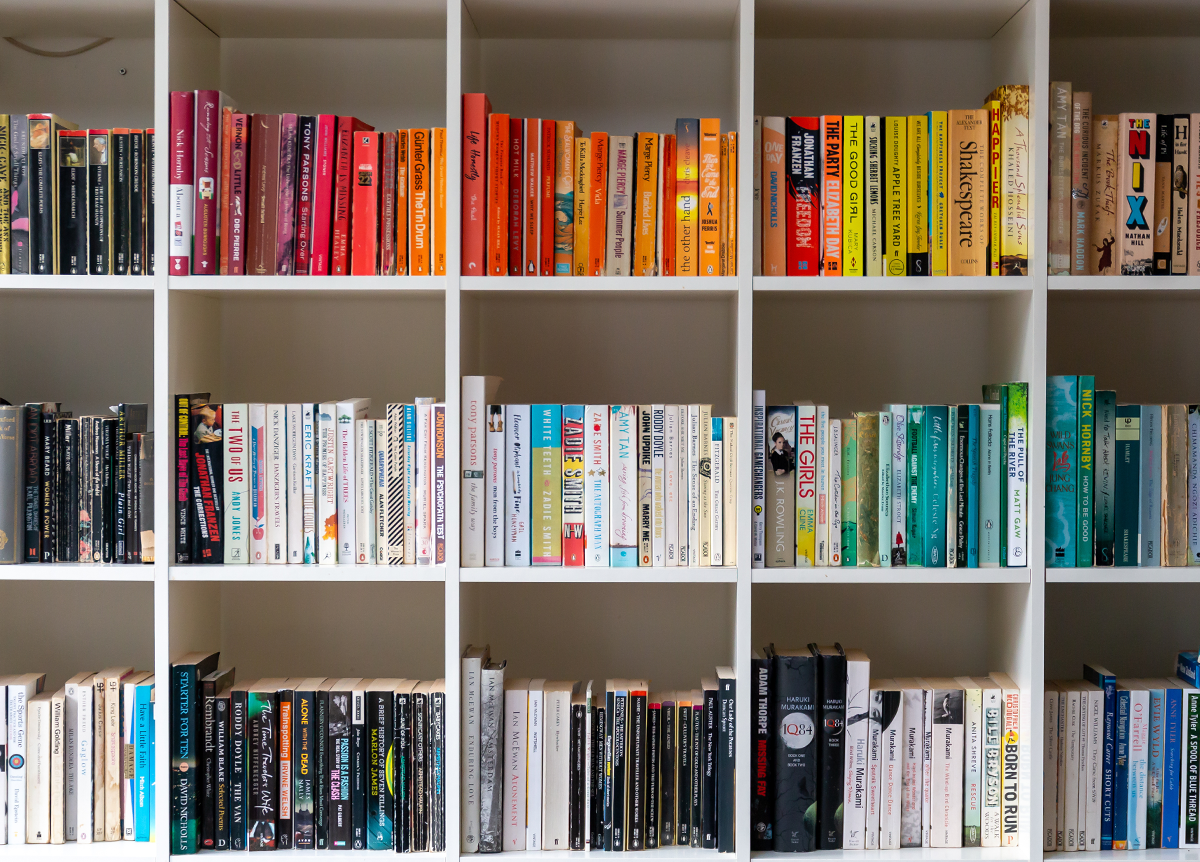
(1081, 181)
(856, 782)
(853, 197)
(708, 221)
(803, 200)
(615, 218)
(1060, 178)
(687, 197)
(875, 190)
(582, 206)
(917, 156)
(186, 674)
(831, 750)
(564, 196)
(781, 436)
(774, 197)
(968, 173)
(1135, 243)
(895, 186)
(1062, 456)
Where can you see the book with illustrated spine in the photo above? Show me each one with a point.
(899, 480)
(835, 492)
(1017, 496)
(856, 787)
(709, 226)
(422, 482)
(1103, 246)
(803, 200)
(1081, 181)
(780, 496)
(867, 518)
(596, 484)
(573, 531)
(884, 488)
(806, 485)
(1135, 186)
(687, 197)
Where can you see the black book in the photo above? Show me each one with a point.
(108, 523)
(263, 710)
(653, 755)
(120, 201)
(683, 786)
(49, 483)
(238, 768)
(18, 165)
(697, 768)
(831, 740)
(207, 480)
(72, 202)
(42, 166)
(304, 769)
(620, 761)
(962, 484)
(182, 495)
(437, 767)
(1164, 152)
(606, 805)
(186, 743)
(221, 725)
(597, 788)
(137, 185)
(339, 826)
(381, 706)
(99, 217)
(762, 785)
(638, 696)
(726, 803)
(33, 479)
(133, 500)
(358, 765)
(708, 759)
(402, 756)
(212, 686)
(67, 518)
(577, 775)
(99, 503)
(287, 760)
(794, 712)
(321, 798)
(667, 757)
(150, 187)
(420, 754)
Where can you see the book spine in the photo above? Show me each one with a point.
(1189, 816)
(867, 489)
(939, 188)
(573, 516)
(1062, 454)
(340, 225)
(1060, 178)
(517, 499)
(1150, 496)
(1017, 497)
(831, 726)
(207, 173)
(546, 199)
(258, 482)
(531, 201)
(855, 783)
(794, 680)
(1172, 774)
(687, 196)
(546, 473)
(1086, 435)
(874, 250)
(854, 199)
(1081, 183)
(439, 484)
(621, 232)
(708, 215)
(400, 201)
(596, 201)
(305, 770)
(896, 188)
(716, 493)
(396, 489)
(1135, 243)
(849, 522)
(1178, 194)
(325, 469)
(475, 110)
(234, 231)
(365, 185)
(1164, 153)
(648, 213)
(181, 179)
(99, 191)
(623, 485)
(473, 454)
(803, 160)
(946, 828)
(380, 499)
(220, 773)
(806, 486)
(883, 489)
(1102, 217)
(565, 152)
(758, 481)
(913, 744)
(917, 155)
(364, 502)
(835, 492)
(494, 486)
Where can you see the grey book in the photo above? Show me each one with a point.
(491, 742)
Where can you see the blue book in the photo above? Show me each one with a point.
(1187, 668)
(153, 772)
(1120, 829)
(916, 510)
(1150, 503)
(1062, 473)
(973, 486)
(1156, 771)
(1128, 491)
(1097, 675)
(1172, 783)
(142, 764)
(933, 483)
(1084, 523)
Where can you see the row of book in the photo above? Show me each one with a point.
(910, 485)
(1122, 480)
(75, 201)
(617, 485)
(288, 194)
(1121, 202)
(80, 760)
(846, 762)
(76, 490)
(539, 197)
(564, 765)
(309, 483)
(942, 193)
(1120, 761)
(310, 764)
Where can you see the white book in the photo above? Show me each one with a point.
(493, 540)
(237, 492)
(681, 468)
(620, 195)
(58, 766)
(477, 393)
(857, 736)
(308, 478)
(885, 488)
(99, 757)
(1050, 790)
(671, 485)
(973, 767)
(1093, 804)
(275, 485)
(516, 512)
(946, 779)
(835, 492)
(78, 718)
(693, 474)
(294, 427)
(899, 456)
(516, 718)
(1139, 762)
(1011, 761)
(758, 203)
(382, 453)
(914, 757)
(952, 487)
(556, 765)
(927, 769)
(873, 209)
(716, 493)
(1060, 814)
(874, 763)
(533, 809)
(993, 726)
(38, 779)
(258, 483)
(473, 660)
(891, 782)
(822, 477)
(1074, 736)
(623, 485)
(409, 481)
(364, 491)
(658, 490)
(729, 448)
(595, 489)
(348, 412)
(20, 690)
(327, 481)
(758, 470)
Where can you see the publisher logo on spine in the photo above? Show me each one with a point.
(796, 730)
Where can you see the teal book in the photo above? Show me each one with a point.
(1062, 459)
(1084, 525)
(849, 492)
(142, 764)
(916, 515)
(990, 462)
(1104, 500)
(1150, 486)
(972, 461)
(185, 741)
(1128, 490)
(952, 490)
(933, 483)
(997, 393)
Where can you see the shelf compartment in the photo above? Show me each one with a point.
(308, 574)
(599, 575)
(890, 575)
(929, 19)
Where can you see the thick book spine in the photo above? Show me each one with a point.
(1172, 766)
(1017, 472)
(1135, 238)
(867, 489)
(794, 705)
(623, 485)
(207, 174)
(653, 775)
(803, 207)
(238, 770)
(1150, 498)
(831, 751)
(100, 212)
(781, 484)
(806, 486)
(687, 196)
(596, 485)
(1086, 472)
(545, 472)
(263, 716)
(221, 773)
(725, 760)
(573, 478)
(1062, 459)
(32, 500)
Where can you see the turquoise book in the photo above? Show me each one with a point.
(1128, 491)
(153, 771)
(933, 483)
(972, 461)
(1104, 497)
(1084, 525)
(545, 466)
(916, 515)
(1062, 453)
(142, 764)
(990, 467)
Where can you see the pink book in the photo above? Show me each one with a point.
(285, 227)
(207, 175)
(183, 120)
(324, 167)
(239, 147)
(305, 160)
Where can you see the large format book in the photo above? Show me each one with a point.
(781, 495)
(186, 674)
(802, 209)
(477, 393)
(1062, 469)
(1135, 193)
(855, 786)
(794, 702)
(831, 742)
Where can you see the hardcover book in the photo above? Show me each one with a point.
(1103, 251)
(802, 212)
(781, 496)
(1062, 459)
(1135, 175)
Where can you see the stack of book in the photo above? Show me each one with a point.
(288, 194)
(846, 762)
(911, 485)
(1120, 199)
(80, 760)
(942, 193)
(618, 485)
(302, 763)
(76, 490)
(82, 199)
(539, 197)
(309, 483)
(1122, 480)
(564, 765)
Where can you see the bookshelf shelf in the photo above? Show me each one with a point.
(598, 575)
(76, 572)
(1132, 284)
(114, 283)
(309, 574)
(1125, 575)
(516, 284)
(883, 284)
(95, 850)
(918, 854)
(895, 575)
(301, 284)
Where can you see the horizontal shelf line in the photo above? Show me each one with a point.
(911, 854)
(947, 284)
(75, 850)
(599, 575)
(889, 575)
(118, 283)
(218, 283)
(1131, 283)
(1125, 575)
(295, 573)
(657, 284)
(78, 572)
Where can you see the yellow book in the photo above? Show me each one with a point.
(732, 218)
(583, 165)
(646, 191)
(724, 247)
(439, 184)
(939, 198)
(992, 106)
(687, 196)
(5, 195)
(918, 195)
(565, 133)
(853, 176)
(896, 198)
(710, 197)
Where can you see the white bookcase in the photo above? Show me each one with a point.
(621, 66)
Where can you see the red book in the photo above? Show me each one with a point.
(340, 250)
(476, 108)
(305, 159)
(235, 231)
(207, 172)
(529, 194)
(262, 196)
(802, 167)
(668, 206)
(598, 205)
(324, 168)
(223, 211)
(285, 228)
(387, 205)
(497, 195)
(516, 155)
(547, 198)
(182, 177)
(365, 219)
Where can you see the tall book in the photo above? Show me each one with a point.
(831, 195)
(1062, 474)
(1017, 472)
(615, 220)
(1060, 178)
(781, 497)
(1180, 154)
(709, 215)
(849, 491)
(581, 178)
(802, 208)
(1085, 505)
(1135, 183)
(853, 196)
(806, 485)
(186, 674)
(874, 253)
(687, 197)
(573, 479)
(647, 161)
(563, 218)
(855, 783)
(182, 180)
(1164, 154)
(968, 204)
(896, 187)
(1104, 523)
(939, 192)
(867, 520)
(946, 783)
(477, 393)
(476, 108)
(623, 485)
(598, 200)
(831, 742)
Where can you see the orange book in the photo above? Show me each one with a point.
(364, 225)
(402, 172)
(598, 193)
(546, 199)
(709, 257)
(223, 207)
(583, 204)
(418, 201)
(774, 198)
(496, 251)
(669, 173)
(565, 133)
(731, 187)
(645, 146)
(439, 201)
(529, 182)
(724, 204)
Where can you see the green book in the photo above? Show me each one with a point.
(1084, 524)
(867, 472)
(849, 492)
(1017, 485)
